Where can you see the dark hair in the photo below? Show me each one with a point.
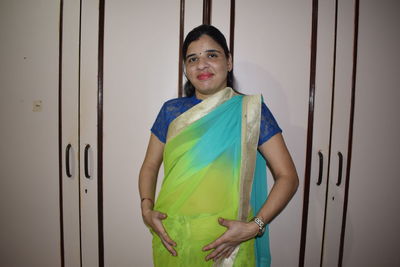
(194, 35)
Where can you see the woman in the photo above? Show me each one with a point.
(213, 143)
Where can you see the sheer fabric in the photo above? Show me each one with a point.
(203, 165)
(175, 107)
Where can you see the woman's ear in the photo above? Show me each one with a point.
(230, 64)
(184, 70)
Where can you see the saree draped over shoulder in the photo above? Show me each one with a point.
(212, 169)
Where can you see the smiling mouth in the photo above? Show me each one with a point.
(204, 76)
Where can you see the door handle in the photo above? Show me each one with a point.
(67, 163)
(87, 147)
(339, 180)
(321, 167)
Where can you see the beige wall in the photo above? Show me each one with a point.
(29, 203)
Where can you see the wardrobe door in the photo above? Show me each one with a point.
(193, 15)
(272, 57)
(221, 17)
(70, 132)
(372, 227)
(340, 131)
(29, 145)
(325, 45)
(141, 60)
(88, 150)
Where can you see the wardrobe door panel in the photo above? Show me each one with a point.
(29, 145)
(140, 73)
(321, 132)
(193, 15)
(70, 131)
(88, 132)
(221, 15)
(272, 57)
(372, 226)
(340, 131)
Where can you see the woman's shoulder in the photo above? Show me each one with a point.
(180, 103)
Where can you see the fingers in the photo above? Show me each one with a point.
(225, 245)
(161, 216)
(224, 222)
(163, 235)
(169, 247)
(216, 243)
(216, 253)
(158, 227)
(222, 238)
(229, 252)
(223, 251)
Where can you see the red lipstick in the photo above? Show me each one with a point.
(204, 76)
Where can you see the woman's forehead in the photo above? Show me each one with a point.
(203, 44)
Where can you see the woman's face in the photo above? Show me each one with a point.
(207, 66)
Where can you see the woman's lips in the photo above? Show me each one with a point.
(204, 76)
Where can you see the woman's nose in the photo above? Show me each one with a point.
(202, 63)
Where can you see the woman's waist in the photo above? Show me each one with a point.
(202, 227)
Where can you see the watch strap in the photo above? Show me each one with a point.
(260, 224)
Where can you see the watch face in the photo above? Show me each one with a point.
(260, 224)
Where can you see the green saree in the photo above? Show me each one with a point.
(210, 159)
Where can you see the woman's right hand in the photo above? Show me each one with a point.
(153, 219)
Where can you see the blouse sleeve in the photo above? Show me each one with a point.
(268, 126)
(160, 126)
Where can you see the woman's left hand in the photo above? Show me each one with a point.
(236, 233)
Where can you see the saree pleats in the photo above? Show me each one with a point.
(202, 163)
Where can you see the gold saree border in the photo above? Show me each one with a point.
(251, 117)
(198, 111)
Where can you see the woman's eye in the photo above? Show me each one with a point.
(212, 55)
(192, 59)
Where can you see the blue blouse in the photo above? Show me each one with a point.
(175, 107)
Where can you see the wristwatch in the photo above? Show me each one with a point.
(261, 225)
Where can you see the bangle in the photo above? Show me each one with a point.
(152, 202)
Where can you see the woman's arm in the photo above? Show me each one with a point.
(149, 170)
(286, 183)
(285, 176)
(147, 189)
